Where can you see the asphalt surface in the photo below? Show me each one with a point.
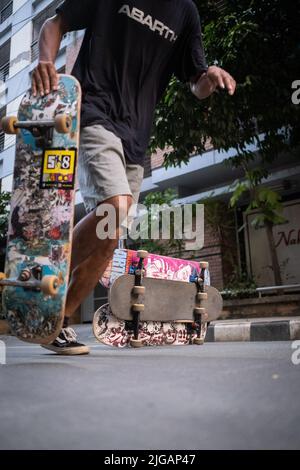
(216, 396)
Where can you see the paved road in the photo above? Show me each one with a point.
(221, 395)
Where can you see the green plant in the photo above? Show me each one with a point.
(258, 43)
(240, 286)
(161, 199)
(4, 214)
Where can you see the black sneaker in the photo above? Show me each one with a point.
(66, 344)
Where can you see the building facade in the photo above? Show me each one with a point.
(205, 177)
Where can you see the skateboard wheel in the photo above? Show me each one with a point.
(49, 285)
(202, 296)
(138, 307)
(198, 341)
(204, 265)
(62, 123)
(143, 254)
(136, 343)
(138, 290)
(8, 125)
(2, 277)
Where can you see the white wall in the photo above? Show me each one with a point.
(17, 4)
(20, 49)
(2, 94)
(7, 183)
(287, 241)
(12, 110)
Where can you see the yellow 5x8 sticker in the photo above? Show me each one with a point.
(58, 169)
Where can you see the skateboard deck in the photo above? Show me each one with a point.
(112, 331)
(35, 281)
(163, 300)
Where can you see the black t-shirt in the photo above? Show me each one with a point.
(130, 50)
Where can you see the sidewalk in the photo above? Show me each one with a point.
(255, 329)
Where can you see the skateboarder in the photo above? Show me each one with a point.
(129, 52)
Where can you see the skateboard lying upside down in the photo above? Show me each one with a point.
(155, 300)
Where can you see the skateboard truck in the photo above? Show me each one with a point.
(199, 312)
(42, 130)
(27, 273)
(49, 284)
(138, 290)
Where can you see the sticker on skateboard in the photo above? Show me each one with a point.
(156, 266)
(58, 170)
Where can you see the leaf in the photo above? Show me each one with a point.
(237, 193)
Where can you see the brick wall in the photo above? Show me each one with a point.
(157, 159)
(220, 252)
(220, 249)
(147, 166)
(211, 252)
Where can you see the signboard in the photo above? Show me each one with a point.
(287, 241)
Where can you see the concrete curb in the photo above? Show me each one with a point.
(254, 330)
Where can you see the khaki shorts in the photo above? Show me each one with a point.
(102, 169)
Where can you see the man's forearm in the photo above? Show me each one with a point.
(50, 38)
(44, 75)
(203, 87)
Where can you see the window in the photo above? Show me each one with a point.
(2, 135)
(38, 22)
(4, 61)
(7, 183)
(6, 9)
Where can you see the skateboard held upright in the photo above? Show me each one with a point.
(34, 284)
